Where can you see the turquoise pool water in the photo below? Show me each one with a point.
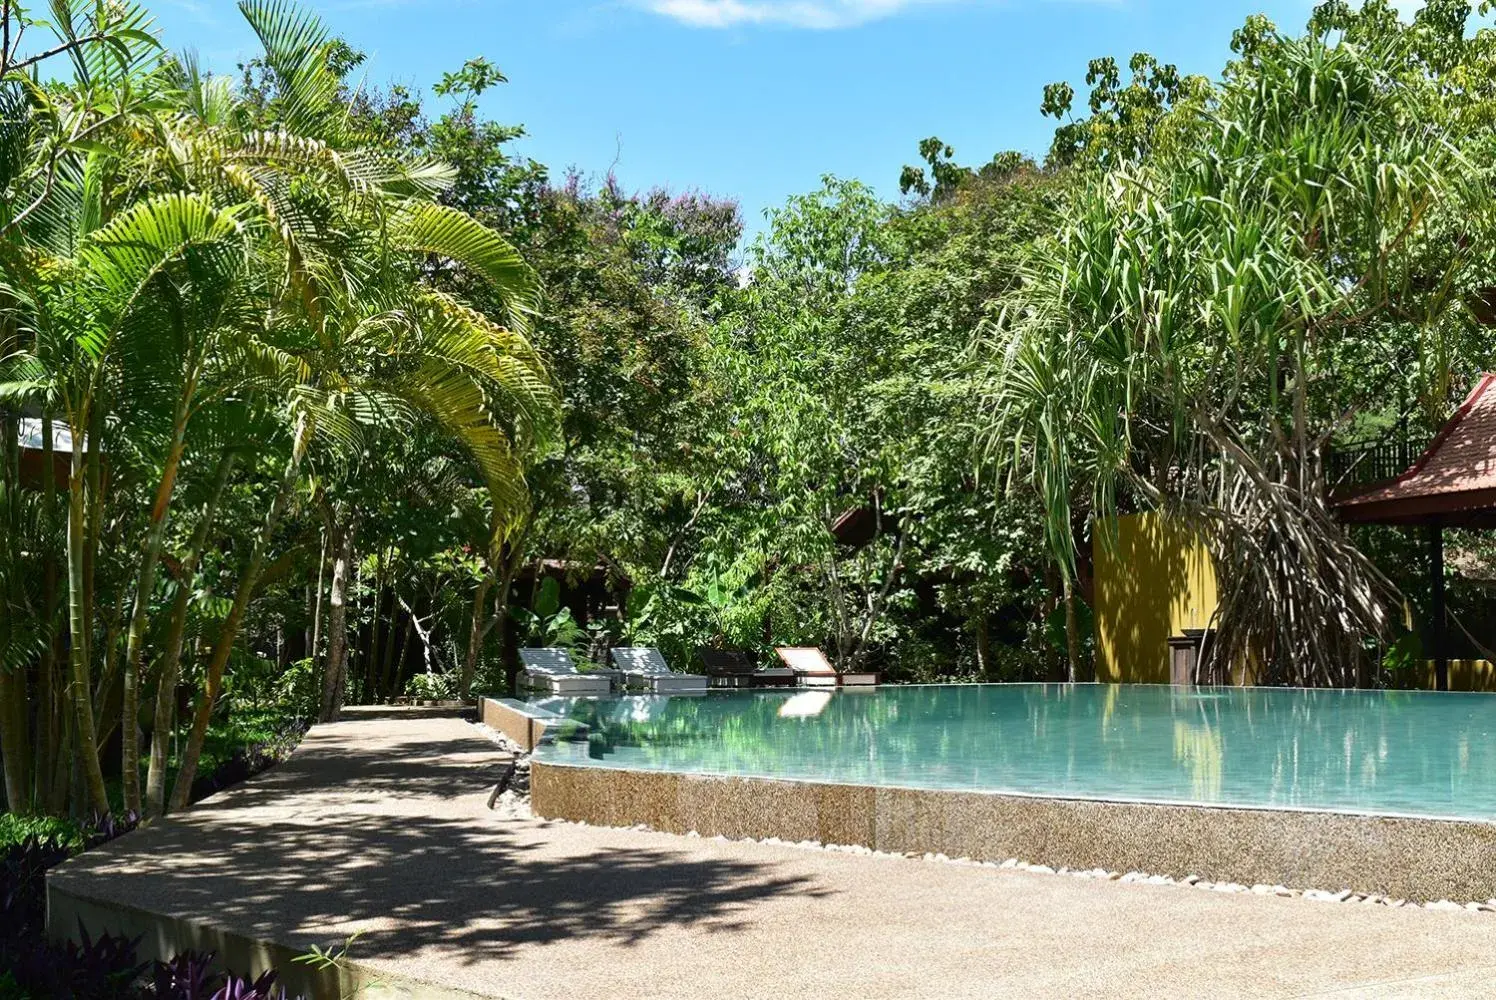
(1410, 753)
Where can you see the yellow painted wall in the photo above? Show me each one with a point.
(1465, 675)
(1153, 581)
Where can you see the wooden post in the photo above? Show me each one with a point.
(1437, 630)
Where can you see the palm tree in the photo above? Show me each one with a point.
(363, 342)
(211, 259)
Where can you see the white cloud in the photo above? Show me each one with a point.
(823, 14)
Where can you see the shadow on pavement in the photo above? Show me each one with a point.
(303, 848)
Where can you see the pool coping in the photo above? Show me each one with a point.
(524, 723)
(1407, 857)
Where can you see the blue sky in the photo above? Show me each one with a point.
(756, 99)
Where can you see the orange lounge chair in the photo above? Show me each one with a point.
(812, 669)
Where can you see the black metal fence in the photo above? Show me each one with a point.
(1364, 463)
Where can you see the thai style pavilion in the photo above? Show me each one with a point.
(1451, 485)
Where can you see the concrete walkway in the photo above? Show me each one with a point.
(382, 827)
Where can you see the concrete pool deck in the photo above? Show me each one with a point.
(382, 826)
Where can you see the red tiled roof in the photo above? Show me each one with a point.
(1453, 481)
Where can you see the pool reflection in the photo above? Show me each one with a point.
(1396, 752)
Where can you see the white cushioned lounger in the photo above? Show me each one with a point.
(552, 670)
(812, 669)
(646, 668)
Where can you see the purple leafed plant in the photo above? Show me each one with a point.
(98, 969)
(31, 966)
(191, 976)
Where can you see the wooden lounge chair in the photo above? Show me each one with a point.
(644, 667)
(734, 668)
(812, 669)
(551, 670)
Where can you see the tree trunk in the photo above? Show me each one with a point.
(56, 801)
(427, 648)
(14, 743)
(371, 667)
(983, 645)
(387, 670)
(476, 634)
(52, 714)
(316, 648)
(15, 749)
(171, 661)
(508, 635)
(144, 588)
(229, 634)
(92, 522)
(397, 665)
(1072, 631)
(46, 724)
(86, 745)
(109, 695)
(335, 675)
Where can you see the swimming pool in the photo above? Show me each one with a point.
(1381, 752)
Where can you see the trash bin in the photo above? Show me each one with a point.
(1186, 654)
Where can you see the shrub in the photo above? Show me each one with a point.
(432, 687)
(247, 761)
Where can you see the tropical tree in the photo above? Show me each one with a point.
(1217, 312)
(224, 295)
(367, 342)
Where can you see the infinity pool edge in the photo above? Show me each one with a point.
(1406, 857)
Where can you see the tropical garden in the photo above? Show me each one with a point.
(316, 394)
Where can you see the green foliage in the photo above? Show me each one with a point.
(369, 398)
(548, 624)
(1217, 311)
(946, 177)
(1125, 120)
(17, 829)
(432, 687)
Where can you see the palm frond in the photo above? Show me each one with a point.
(426, 228)
(297, 46)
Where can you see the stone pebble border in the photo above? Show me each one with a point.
(517, 807)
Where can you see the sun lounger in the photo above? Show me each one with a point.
(733, 668)
(551, 670)
(812, 669)
(645, 667)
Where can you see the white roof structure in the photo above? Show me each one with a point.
(30, 435)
